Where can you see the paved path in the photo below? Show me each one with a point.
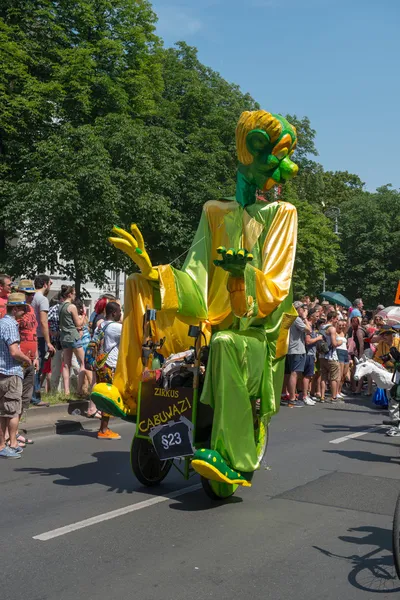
(316, 523)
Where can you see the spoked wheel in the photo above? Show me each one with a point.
(396, 537)
(146, 465)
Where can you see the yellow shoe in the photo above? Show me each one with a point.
(108, 435)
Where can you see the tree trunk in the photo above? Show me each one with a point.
(78, 279)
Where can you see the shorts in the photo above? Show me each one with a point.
(330, 369)
(295, 363)
(27, 386)
(309, 366)
(77, 344)
(10, 396)
(343, 356)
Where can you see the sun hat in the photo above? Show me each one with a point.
(26, 286)
(16, 299)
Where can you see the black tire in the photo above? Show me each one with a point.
(218, 491)
(146, 465)
(396, 537)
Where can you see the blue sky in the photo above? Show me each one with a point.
(335, 61)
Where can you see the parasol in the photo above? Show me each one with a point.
(390, 314)
(336, 298)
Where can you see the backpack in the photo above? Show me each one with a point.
(95, 357)
(323, 346)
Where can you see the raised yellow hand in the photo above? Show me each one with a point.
(133, 246)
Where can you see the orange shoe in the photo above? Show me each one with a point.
(108, 435)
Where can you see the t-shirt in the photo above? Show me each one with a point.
(39, 304)
(312, 348)
(27, 326)
(3, 307)
(355, 313)
(297, 337)
(112, 336)
(9, 335)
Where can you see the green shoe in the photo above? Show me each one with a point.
(211, 465)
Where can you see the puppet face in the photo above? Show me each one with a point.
(265, 143)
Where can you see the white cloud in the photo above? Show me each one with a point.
(175, 22)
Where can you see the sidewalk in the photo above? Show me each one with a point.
(58, 418)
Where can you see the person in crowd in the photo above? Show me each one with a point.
(11, 375)
(296, 356)
(343, 355)
(387, 339)
(99, 312)
(5, 291)
(71, 327)
(112, 328)
(316, 380)
(358, 342)
(358, 306)
(27, 326)
(330, 370)
(54, 328)
(40, 305)
(312, 339)
(87, 382)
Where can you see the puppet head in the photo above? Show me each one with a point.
(265, 143)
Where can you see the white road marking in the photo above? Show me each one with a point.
(356, 435)
(49, 535)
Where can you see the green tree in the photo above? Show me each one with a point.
(370, 237)
(65, 207)
(317, 245)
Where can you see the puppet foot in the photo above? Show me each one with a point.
(211, 465)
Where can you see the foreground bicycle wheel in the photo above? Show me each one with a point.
(146, 465)
(396, 537)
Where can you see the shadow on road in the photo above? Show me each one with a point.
(347, 428)
(366, 456)
(373, 571)
(111, 469)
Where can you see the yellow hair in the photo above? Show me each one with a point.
(257, 119)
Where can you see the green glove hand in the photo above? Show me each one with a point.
(233, 261)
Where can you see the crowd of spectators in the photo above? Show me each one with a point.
(325, 342)
(40, 343)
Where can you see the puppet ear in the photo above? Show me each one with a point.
(257, 140)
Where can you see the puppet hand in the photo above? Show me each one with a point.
(233, 261)
(133, 246)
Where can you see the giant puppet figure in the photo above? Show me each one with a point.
(236, 281)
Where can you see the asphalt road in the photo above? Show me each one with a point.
(315, 524)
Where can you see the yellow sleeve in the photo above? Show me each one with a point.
(266, 288)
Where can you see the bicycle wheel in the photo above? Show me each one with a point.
(396, 536)
(217, 490)
(146, 465)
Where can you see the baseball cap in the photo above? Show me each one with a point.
(299, 304)
(16, 299)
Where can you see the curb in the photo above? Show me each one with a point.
(58, 419)
(60, 428)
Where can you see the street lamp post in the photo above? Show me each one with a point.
(333, 211)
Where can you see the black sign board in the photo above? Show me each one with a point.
(173, 439)
(159, 406)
